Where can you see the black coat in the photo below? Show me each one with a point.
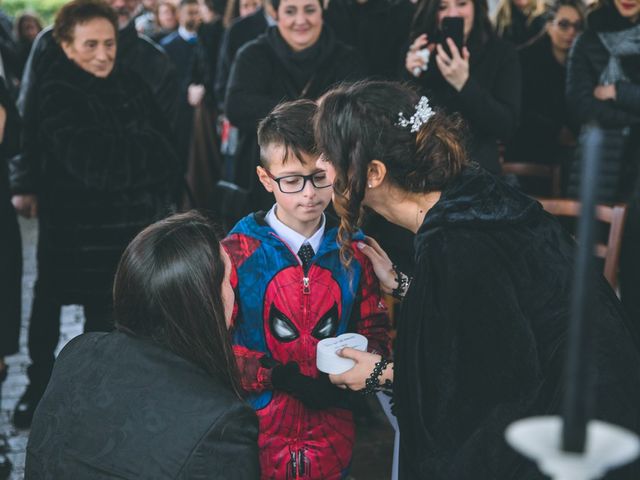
(204, 67)
(587, 60)
(182, 55)
(10, 244)
(521, 30)
(544, 110)
(266, 72)
(378, 29)
(242, 31)
(483, 333)
(136, 52)
(110, 171)
(118, 407)
(490, 100)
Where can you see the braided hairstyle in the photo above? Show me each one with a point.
(358, 123)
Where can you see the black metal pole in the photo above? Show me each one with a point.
(578, 392)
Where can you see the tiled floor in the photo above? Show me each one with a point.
(372, 456)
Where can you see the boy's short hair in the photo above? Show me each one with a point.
(290, 124)
(184, 3)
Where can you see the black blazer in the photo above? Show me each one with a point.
(544, 111)
(242, 31)
(121, 407)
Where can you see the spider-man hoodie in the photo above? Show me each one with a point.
(281, 314)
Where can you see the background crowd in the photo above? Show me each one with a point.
(111, 124)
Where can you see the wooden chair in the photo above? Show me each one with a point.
(552, 172)
(613, 215)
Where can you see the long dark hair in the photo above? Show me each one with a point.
(358, 123)
(168, 290)
(425, 20)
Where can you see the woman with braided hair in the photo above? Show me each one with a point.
(482, 331)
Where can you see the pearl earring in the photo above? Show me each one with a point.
(369, 185)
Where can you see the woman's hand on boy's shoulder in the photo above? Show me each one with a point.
(381, 263)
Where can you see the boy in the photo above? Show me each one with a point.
(291, 292)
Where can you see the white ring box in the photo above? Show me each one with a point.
(327, 358)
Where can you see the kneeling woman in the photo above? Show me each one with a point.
(158, 398)
(482, 332)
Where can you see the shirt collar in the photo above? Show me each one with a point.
(292, 238)
(186, 35)
(270, 21)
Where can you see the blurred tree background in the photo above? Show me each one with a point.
(46, 9)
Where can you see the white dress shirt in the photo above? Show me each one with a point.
(292, 238)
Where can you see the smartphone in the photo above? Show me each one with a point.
(453, 28)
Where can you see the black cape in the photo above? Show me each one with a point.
(483, 332)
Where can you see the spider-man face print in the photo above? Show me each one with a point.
(297, 317)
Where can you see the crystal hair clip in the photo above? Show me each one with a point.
(423, 113)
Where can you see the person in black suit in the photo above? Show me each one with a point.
(159, 397)
(241, 32)
(181, 48)
(546, 133)
(10, 252)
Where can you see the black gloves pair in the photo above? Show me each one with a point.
(316, 393)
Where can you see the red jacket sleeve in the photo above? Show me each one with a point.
(254, 377)
(373, 319)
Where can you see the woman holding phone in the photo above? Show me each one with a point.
(479, 78)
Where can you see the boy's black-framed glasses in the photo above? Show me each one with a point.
(296, 183)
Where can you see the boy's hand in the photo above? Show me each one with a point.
(25, 205)
(195, 94)
(316, 393)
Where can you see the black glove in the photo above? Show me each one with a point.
(316, 393)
